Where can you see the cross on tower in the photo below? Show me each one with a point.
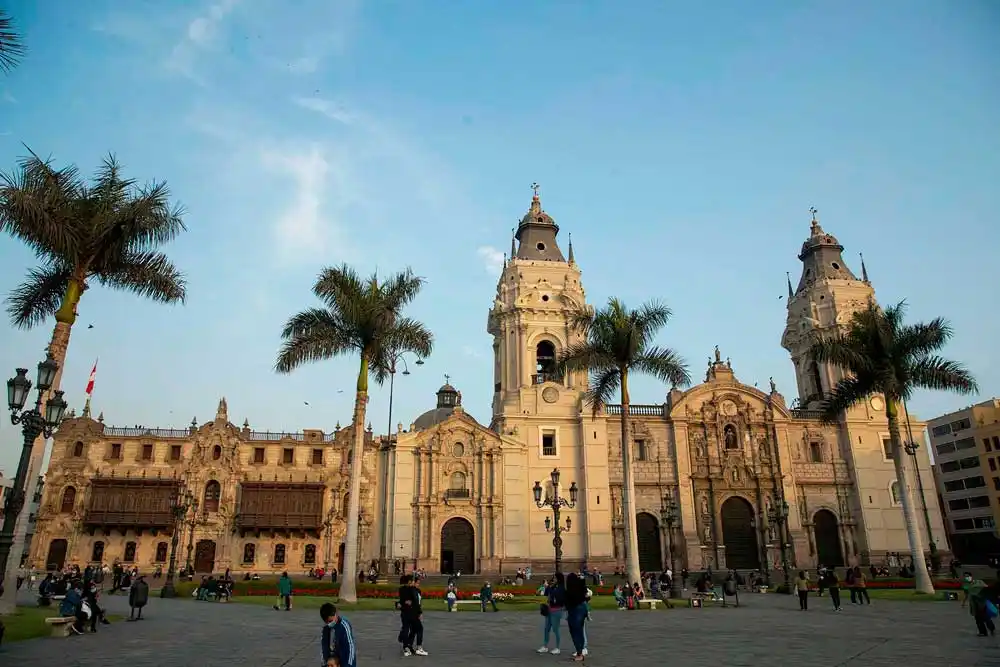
(814, 212)
(535, 187)
(447, 379)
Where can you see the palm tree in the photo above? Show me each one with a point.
(11, 48)
(880, 354)
(615, 342)
(362, 317)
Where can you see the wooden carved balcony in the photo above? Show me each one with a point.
(124, 503)
(281, 506)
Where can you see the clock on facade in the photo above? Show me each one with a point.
(876, 403)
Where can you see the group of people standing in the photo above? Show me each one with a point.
(855, 580)
(567, 596)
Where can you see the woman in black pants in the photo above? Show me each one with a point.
(833, 583)
(802, 588)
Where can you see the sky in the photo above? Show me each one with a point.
(682, 145)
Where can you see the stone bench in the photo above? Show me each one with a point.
(458, 602)
(61, 625)
(649, 602)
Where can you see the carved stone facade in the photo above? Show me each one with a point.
(267, 502)
(457, 495)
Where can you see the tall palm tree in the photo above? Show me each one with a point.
(11, 47)
(881, 354)
(617, 342)
(360, 317)
(107, 231)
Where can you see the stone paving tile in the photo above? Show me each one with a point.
(767, 629)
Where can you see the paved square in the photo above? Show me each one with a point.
(767, 629)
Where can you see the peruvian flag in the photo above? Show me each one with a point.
(90, 382)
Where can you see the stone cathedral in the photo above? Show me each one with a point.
(451, 494)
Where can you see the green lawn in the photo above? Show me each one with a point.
(889, 594)
(29, 623)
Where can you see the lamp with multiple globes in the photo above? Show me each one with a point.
(557, 503)
(670, 514)
(777, 516)
(182, 501)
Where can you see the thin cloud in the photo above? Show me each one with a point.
(492, 258)
(471, 352)
(328, 108)
(200, 34)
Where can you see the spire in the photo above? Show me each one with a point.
(222, 414)
(536, 233)
(513, 238)
(788, 277)
(86, 408)
(572, 260)
(864, 269)
(821, 257)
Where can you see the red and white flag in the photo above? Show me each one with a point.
(90, 382)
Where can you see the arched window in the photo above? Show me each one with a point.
(213, 490)
(161, 552)
(458, 481)
(545, 362)
(894, 492)
(815, 379)
(78, 449)
(129, 552)
(97, 552)
(279, 554)
(217, 452)
(729, 434)
(249, 553)
(310, 554)
(345, 505)
(68, 500)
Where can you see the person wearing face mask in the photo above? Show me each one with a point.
(978, 596)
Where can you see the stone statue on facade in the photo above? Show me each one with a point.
(718, 355)
(704, 506)
(707, 535)
(774, 387)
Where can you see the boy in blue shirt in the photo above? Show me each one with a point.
(337, 640)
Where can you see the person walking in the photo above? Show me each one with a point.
(555, 604)
(411, 614)
(860, 590)
(802, 590)
(284, 593)
(576, 614)
(833, 585)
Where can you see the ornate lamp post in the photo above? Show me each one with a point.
(179, 505)
(911, 449)
(394, 360)
(556, 502)
(35, 422)
(777, 515)
(671, 517)
(194, 520)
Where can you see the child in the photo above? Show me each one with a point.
(337, 641)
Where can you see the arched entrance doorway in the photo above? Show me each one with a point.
(56, 559)
(647, 530)
(827, 532)
(458, 547)
(204, 556)
(740, 535)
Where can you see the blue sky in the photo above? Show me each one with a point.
(682, 144)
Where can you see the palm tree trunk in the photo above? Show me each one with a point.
(348, 586)
(628, 492)
(58, 345)
(923, 583)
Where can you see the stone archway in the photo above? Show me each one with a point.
(647, 530)
(204, 557)
(458, 547)
(56, 559)
(739, 534)
(826, 529)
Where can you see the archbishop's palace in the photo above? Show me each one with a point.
(449, 493)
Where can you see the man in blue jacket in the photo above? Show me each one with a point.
(337, 641)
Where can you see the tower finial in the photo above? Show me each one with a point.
(447, 379)
(572, 260)
(536, 187)
(813, 211)
(513, 237)
(864, 269)
(788, 277)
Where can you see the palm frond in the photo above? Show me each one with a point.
(39, 296)
(846, 394)
(924, 338)
(603, 387)
(406, 335)
(665, 365)
(934, 372)
(148, 274)
(649, 319)
(400, 290)
(585, 356)
(313, 335)
(11, 46)
(132, 220)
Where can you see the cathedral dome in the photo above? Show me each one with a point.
(448, 398)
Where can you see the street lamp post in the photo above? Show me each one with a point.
(911, 448)
(777, 515)
(35, 422)
(395, 359)
(671, 517)
(190, 544)
(179, 505)
(557, 503)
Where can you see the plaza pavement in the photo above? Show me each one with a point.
(766, 630)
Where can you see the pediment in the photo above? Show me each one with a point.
(709, 400)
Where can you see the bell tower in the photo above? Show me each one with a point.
(827, 296)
